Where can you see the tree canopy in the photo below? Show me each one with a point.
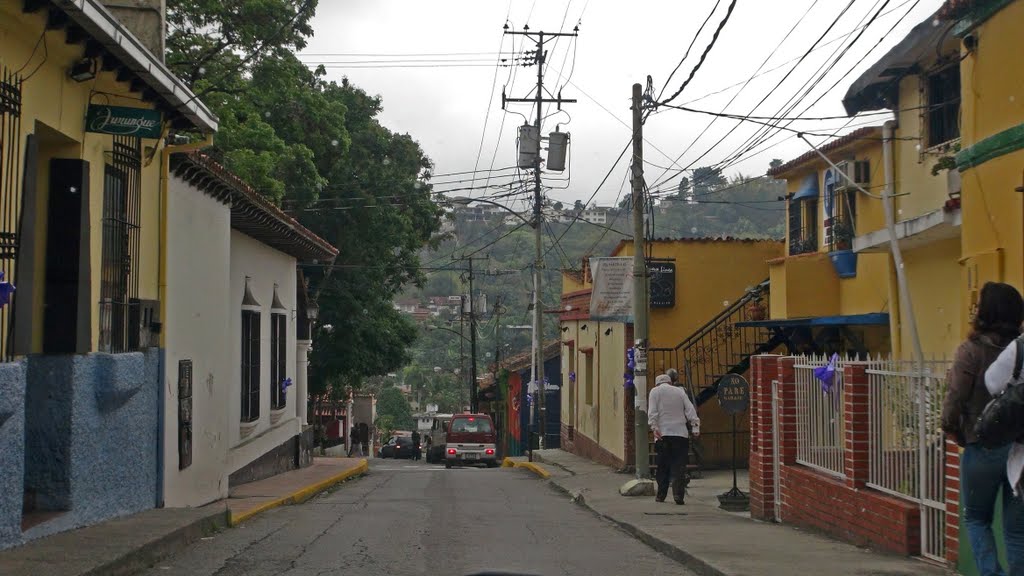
(318, 149)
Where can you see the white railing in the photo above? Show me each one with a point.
(906, 445)
(820, 434)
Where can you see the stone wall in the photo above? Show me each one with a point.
(89, 445)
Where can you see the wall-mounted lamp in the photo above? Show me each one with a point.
(584, 327)
(312, 311)
(83, 70)
(608, 331)
(565, 328)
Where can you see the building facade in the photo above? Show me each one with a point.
(236, 350)
(85, 122)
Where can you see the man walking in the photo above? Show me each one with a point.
(669, 413)
(353, 439)
(415, 444)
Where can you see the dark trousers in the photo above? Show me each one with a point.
(672, 459)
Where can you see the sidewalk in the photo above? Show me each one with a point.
(126, 545)
(713, 542)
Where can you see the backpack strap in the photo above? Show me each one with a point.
(1018, 360)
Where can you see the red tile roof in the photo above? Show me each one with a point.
(696, 240)
(251, 212)
(867, 132)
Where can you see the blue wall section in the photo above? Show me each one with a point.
(91, 425)
(12, 435)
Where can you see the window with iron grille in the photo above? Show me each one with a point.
(119, 283)
(278, 360)
(250, 365)
(944, 106)
(803, 226)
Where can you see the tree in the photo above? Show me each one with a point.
(775, 163)
(706, 179)
(578, 205)
(392, 404)
(319, 146)
(558, 206)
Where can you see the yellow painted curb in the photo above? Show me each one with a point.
(301, 495)
(508, 463)
(534, 467)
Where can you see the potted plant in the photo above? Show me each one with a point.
(842, 235)
(947, 163)
(756, 310)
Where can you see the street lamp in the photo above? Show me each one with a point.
(538, 316)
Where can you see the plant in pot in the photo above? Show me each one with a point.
(756, 310)
(842, 235)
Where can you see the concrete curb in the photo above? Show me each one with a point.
(688, 560)
(531, 466)
(301, 495)
(151, 553)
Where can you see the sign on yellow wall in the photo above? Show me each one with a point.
(123, 121)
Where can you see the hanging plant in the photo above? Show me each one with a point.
(947, 161)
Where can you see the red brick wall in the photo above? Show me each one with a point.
(587, 448)
(863, 517)
(844, 508)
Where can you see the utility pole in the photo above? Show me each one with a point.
(538, 314)
(641, 292)
(473, 398)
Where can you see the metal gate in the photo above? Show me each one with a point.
(907, 445)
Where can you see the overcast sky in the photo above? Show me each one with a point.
(446, 101)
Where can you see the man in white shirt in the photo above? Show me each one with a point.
(668, 413)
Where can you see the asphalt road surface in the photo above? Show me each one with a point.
(416, 518)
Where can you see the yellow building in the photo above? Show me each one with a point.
(85, 109)
(700, 289)
(990, 162)
(919, 79)
(826, 295)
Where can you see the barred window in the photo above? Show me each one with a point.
(250, 365)
(278, 360)
(119, 283)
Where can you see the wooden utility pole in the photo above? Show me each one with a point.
(641, 292)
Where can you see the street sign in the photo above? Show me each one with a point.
(124, 121)
(663, 284)
(733, 394)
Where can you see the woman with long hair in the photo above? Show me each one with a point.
(983, 471)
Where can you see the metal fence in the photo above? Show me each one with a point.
(906, 444)
(820, 434)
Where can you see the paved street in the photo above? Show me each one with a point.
(416, 518)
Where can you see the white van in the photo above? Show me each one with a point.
(434, 439)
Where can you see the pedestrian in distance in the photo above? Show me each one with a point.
(353, 441)
(669, 412)
(674, 375)
(416, 445)
(983, 471)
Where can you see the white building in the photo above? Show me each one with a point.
(237, 336)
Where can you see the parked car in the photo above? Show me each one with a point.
(397, 447)
(470, 440)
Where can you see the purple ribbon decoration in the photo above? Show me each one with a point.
(6, 289)
(827, 374)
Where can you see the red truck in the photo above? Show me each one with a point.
(470, 439)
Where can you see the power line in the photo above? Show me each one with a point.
(690, 47)
(704, 55)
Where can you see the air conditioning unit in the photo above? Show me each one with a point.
(855, 171)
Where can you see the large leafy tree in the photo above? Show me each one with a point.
(317, 148)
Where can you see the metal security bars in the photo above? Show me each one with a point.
(250, 365)
(906, 444)
(119, 284)
(10, 201)
(820, 434)
(278, 360)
